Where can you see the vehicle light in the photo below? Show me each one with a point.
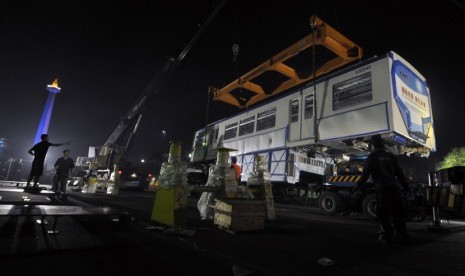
(134, 175)
(345, 157)
(120, 172)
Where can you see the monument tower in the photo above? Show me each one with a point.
(52, 89)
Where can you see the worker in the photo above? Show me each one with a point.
(39, 151)
(237, 169)
(388, 179)
(63, 166)
(349, 170)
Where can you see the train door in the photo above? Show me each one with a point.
(301, 118)
(294, 119)
(308, 118)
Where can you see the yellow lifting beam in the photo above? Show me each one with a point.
(322, 34)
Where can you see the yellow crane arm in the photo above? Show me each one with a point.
(324, 35)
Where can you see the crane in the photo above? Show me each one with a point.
(117, 144)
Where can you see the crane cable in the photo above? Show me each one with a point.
(315, 123)
(235, 52)
(235, 47)
(313, 27)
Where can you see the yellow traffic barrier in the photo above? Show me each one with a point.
(170, 206)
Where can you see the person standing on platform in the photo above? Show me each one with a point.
(39, 151)
(63, 167)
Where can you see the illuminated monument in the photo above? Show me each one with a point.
(52, 89)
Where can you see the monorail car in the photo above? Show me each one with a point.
(303, 131)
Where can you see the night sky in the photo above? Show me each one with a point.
(105, 52)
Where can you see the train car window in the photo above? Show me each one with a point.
(294, 110)
(199, 139)
(230, 131)
(214, 136)
(352, 91)
(247, 125)
(308, 107)
(266, 119)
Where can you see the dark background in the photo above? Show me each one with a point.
(105, 52)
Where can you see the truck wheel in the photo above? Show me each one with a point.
(331, 203)
(369, 206)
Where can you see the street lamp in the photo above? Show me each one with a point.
(163, 132)
(142, 160)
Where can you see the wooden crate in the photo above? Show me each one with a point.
(240, 214)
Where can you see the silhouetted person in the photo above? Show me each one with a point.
(63, 166)
(39, 151)
(349, 171)
(388, 179)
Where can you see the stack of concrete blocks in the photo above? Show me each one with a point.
(222, 177)
(239, 214)
(259, 183)
(92, 182)
(242, 214)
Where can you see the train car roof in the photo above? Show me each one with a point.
(306, 85)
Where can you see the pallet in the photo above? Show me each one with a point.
(237, 215)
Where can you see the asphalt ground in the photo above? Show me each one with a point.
(291, 245)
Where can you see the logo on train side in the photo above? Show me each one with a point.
(403, 75)
(363, 69)
(412, 97)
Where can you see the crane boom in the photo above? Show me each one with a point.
(161, 78)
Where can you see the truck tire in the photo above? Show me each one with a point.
(369, 206)
(331, 203)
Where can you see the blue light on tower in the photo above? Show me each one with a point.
(52, 89)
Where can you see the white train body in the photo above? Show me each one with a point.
(384, 95)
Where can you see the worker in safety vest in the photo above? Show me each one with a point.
(237, 169)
